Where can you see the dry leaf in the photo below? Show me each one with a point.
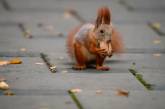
(8, 93)
(23, 49)
(99, 92)
(4, 85)
(2, 63)
(76, 90)
(67, 15)
(121, 92)
(157, 54)
(15, 61)
(156, 41)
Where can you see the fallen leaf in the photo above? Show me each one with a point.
(156, 41)
(9, 93)
(157, 54)
(15, 61)
(67, 15)
(121, 92)
(23, 49)
(2, 63)
(4, 85)
(76, 90)
(99, 92)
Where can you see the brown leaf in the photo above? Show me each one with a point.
(9, 93)
(99, 92)
(121, 92)
(2, 63)
(15, 61)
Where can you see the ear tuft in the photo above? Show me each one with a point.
(103, 17)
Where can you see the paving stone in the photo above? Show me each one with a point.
(30, 76)
(37, 102)
(147, 5)
(133, 35)
(12, 40)
(154, 77)
(84, 79)
(109, 99)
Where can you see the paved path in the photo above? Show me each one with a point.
(139, 70)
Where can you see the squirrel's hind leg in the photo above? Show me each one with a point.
(80, 58)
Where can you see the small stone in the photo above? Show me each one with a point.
(39, 63)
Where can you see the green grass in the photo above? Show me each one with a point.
(140, 78)
(73, 96)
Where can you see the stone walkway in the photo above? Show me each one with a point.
(35, 32)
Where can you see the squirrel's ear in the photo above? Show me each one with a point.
(103, 17)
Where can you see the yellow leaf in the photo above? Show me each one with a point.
(15, 61)
(2, 63)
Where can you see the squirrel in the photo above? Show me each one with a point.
(92, 43)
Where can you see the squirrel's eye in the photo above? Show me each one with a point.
(101, 31)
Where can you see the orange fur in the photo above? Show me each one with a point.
(76, 50)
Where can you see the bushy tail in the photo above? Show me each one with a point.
(117, 42)
(69, 41)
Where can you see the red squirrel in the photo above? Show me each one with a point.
(92, 43)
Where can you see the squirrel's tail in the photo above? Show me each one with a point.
(117, 42)
(70, 41)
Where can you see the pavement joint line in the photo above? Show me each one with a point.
(6, 5)
(143, 51)
(156, 29)
(76, 15)
(51, 66)
(19, 54)
(75, 99)
(126, 5)
(140, 78)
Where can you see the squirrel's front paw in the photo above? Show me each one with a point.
(102, 52)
